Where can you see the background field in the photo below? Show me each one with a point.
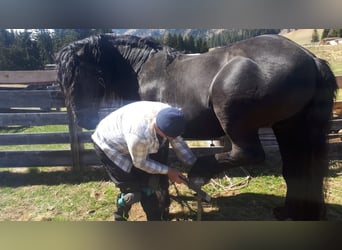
(302, 36)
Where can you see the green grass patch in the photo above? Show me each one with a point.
(333, 54)
(35, 129)
(60, 194)
(337, 68)
(36, 147)
(339, 95)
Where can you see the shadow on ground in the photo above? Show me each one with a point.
(50, 178)
(245, 207)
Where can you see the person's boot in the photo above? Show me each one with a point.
(122, 213)
(124, 204)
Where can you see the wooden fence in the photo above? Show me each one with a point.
(23, 106)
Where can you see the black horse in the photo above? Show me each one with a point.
(266, 81)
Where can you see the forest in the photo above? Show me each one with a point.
(33, 49)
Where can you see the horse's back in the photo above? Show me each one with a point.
(266, 79)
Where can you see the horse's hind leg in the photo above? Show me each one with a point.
(246, 148)
(237, 109)
(304, 196)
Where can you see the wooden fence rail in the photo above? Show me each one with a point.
(21, 107)
(28, 77)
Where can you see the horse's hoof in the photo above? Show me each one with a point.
(281, 213)
(222, 157)
(204, 169)
(199, 181)
(227, 161)
(231, 161)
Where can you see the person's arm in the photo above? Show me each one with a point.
(182, 151)
(176, 176)
(138, 150)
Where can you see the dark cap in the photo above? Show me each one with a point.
(171, 121)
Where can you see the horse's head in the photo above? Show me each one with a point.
(94, 76)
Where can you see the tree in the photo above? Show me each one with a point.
(315, 36)
(6, 38)
(325, 33)
(45, 46)
(18, 51)
(32, 49)
(201, 45)
(331, 33)
(31, 56)
(190, 44)
(62, 37)
(180, 43)
(334, 33)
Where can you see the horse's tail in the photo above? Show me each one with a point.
(318, 119)
(321, 108)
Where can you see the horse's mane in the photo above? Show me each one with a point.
(136, 49)
(67, 68)
(107, 52)
(133, 41)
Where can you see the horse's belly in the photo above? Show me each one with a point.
(205, 125)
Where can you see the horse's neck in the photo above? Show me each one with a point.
(136, 56)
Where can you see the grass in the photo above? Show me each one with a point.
(38, 129)
(339, 95)
(35, 129)
(302, 36)
(333, 54)
(60, 194)
(55, 195)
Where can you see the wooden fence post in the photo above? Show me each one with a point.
(74, 140)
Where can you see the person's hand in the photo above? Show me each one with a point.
(176, 176)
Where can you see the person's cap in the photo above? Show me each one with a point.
(171, 121)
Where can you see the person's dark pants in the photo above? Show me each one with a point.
(152, 189)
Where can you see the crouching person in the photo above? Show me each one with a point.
(132, 143)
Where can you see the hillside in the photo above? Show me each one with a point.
(204, 33)
(160, 32)
(301, 36)
(333, 54)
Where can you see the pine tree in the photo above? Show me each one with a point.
(45, 46)
(315, 36)
(334, 33)
(7, 38)
(180, 43)
(325, 33)
(190, 44)
(201, 45)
